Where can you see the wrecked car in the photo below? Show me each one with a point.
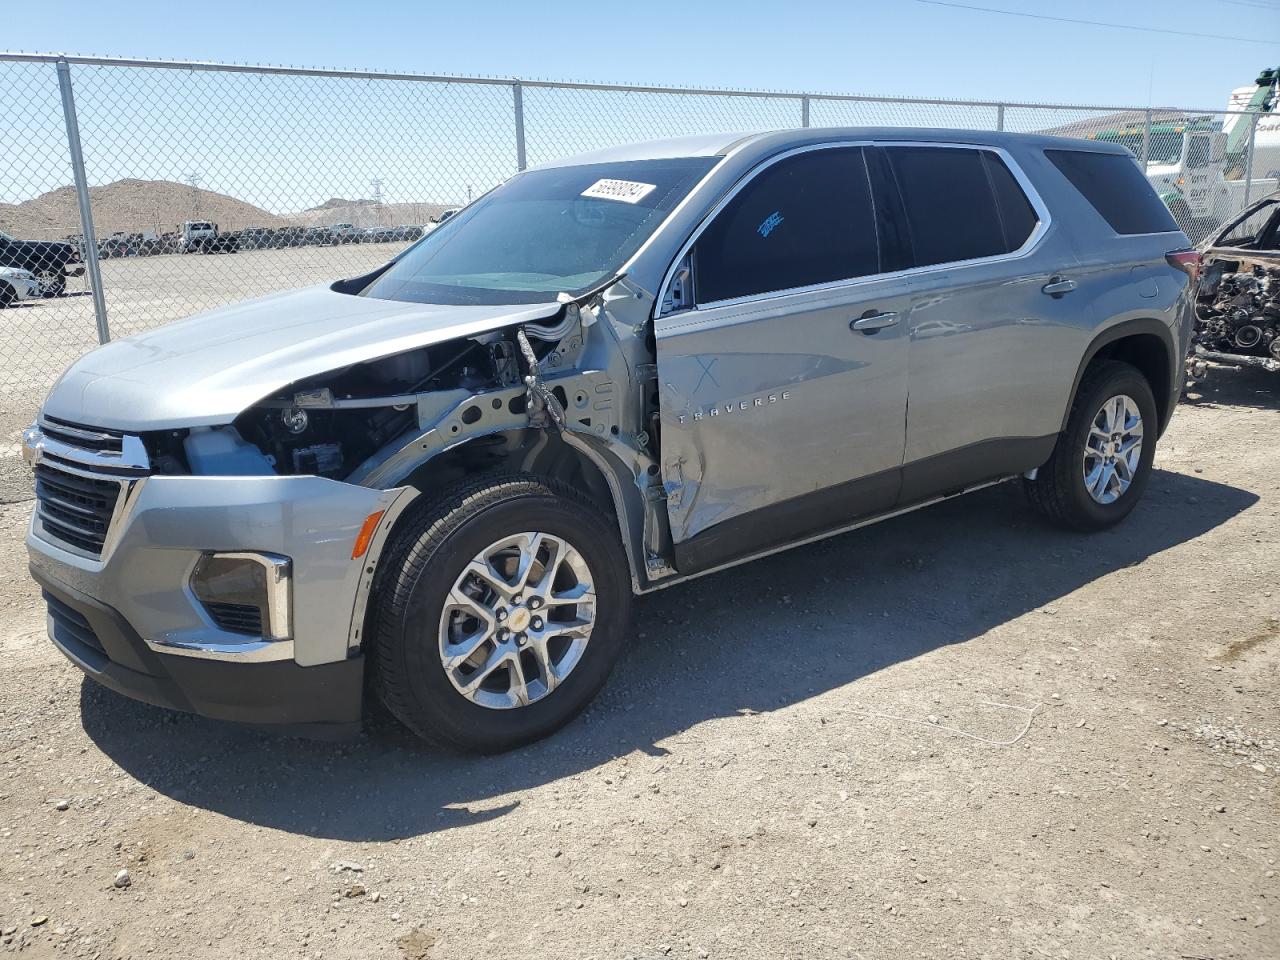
(608, 375)
(1238, 304)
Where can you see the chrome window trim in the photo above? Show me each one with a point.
(1044, 221)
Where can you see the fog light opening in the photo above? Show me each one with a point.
(249, 593)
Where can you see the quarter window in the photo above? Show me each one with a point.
(1114, 185)
(961, 203)
(805, 220)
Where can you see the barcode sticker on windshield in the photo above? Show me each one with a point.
(628, 191)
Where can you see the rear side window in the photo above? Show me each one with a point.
(1116, 188)
(961, 203)
(805, 220)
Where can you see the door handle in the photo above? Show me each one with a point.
(1057, 286)
(871, 321)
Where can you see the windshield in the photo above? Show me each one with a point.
(544, 232)
(1247, 228)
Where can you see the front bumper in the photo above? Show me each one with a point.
(323, 700)
(129, 618)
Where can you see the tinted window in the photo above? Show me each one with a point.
(1114, 185)
(544, 232)
(1198, 152)
(805, 220)
(1017, 216)
(951, 204)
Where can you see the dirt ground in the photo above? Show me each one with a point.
(960, 733)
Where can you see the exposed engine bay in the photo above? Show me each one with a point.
(373, 422)
(1238, 313)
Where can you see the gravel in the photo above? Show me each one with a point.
(1053, 745)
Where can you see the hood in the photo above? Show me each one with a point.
(207, 369)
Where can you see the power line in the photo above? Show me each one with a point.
(1253, 5)
(1095, 23)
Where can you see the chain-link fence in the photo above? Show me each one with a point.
(185, 186)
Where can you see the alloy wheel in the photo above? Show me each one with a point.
(517, 620)
(1112, 449)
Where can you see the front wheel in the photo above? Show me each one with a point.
(1102, 461)
(502, 608)
(51, 281)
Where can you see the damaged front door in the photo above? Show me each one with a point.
(783, 384)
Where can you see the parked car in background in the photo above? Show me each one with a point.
(1238, 307)
(257, 238)
(196, 235)
(51, 261)
(454, 472)
(116, 245)
(17, 285)
(340, 233)
(446, 214)
(288, 237)
(379, 234)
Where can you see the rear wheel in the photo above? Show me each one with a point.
(6, 295)
(502, 609)
(1102, 461)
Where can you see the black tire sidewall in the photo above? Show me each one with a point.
(1129, 382)
(438, 710)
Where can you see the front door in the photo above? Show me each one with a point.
(783, 384)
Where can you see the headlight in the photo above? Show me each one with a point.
(247, 593)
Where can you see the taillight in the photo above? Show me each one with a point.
(1188, 261)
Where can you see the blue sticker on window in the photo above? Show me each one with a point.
(770, 222)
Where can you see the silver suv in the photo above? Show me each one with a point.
(608, 375)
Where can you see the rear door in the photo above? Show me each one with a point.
(782, 363)
(994, 330)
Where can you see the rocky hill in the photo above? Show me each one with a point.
(136, 206)
(130, 206)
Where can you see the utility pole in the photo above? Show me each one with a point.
(377, 201)
(194, 180)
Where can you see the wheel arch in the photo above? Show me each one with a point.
(1145, 343)
(571, 458)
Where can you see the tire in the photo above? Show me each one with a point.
(1060, 491)
(52, 281)
(414, 597)
(6, 295)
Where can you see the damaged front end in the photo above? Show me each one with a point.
(1238, 313)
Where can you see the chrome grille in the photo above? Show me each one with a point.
(75, 509)
(88, 438)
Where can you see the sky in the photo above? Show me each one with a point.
(891, 47)
(288, 143)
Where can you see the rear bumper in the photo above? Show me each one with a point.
(319, 700)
